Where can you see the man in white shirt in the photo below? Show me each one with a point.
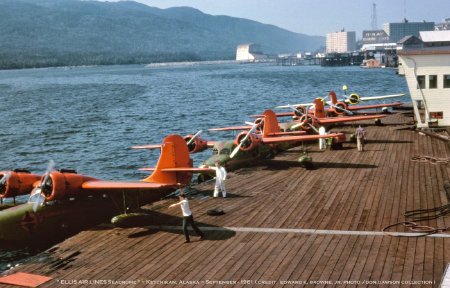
(221, 175)
(360, 134)
(322, 141)
(187, 216)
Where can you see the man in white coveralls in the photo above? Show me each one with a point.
(221, 175)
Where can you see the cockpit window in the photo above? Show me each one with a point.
(225, 151)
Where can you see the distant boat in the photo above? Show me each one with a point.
(371, 63)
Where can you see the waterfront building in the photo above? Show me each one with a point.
(443, 26)
(397, 31)
(375, 37)
(341, 42)
(249, 53)
(425, 65)
(377, 46)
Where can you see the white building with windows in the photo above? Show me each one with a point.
(427, 73)
(341, 42)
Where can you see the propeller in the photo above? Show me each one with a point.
(300, 124)
(44, 186)
(3, 181)
(193, 137)
(5, 178)
(252, 130)
(339, 108)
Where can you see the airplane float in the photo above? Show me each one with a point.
(62, 202)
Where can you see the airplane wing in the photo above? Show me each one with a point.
(123, 185)
(180, 169)
(381, 97)
(146, 146)
(330, 120)
(362, 107)
(298, 138)
(231, 128)
(368, 98)
(291, 133)
(295, 105)
(283, 114)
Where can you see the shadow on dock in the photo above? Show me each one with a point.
(381, 141)
(161, 222)
(274, 165)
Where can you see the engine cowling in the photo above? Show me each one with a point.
(305, 120)
(354, 98)
(340, 105)
(251, 143)
(16, 183)
(57, 185)
(198, 145)
(301, 110)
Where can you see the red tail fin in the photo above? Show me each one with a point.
(319, 110)
(270, 123)
(333, 97)
(174, 153)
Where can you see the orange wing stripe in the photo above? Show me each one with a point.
(291, 133)
(298, 138)
(123, 185)
(281, 114)
(180, 169)
(347, 119)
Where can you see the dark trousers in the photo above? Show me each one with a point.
(190, 220)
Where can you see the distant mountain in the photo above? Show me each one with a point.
(36, 33)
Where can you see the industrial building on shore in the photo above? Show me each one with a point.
(249, 53)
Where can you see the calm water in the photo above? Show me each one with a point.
(86, 118)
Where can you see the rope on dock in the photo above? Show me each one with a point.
(427, 214)
(432, 160)
(421, 215)
(419, 230)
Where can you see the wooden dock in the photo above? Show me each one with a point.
(283, 226)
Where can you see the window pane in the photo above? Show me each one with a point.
(420, 82)
(432, 81)
(446, 81)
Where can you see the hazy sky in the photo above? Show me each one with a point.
(318, 17)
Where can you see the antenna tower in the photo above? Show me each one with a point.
(374, 23)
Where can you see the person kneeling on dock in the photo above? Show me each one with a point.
(188, 218)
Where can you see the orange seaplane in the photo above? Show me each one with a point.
(308, 121)
(62, 201)
(340, 107)
(318, 117)
(266, 132)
